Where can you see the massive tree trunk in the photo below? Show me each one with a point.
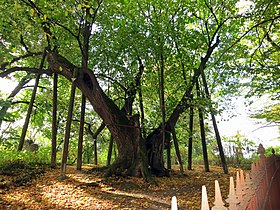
(155, 149)
(132, 154)
(132, 157)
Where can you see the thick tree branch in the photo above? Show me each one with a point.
(97, 132)
(29, 54)
(183, 104)
(25, 69)
(22, 102)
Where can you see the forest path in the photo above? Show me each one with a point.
(89, 190)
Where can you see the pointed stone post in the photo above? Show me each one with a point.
(249, 184)
(239, 192)
(174, 205)
(244, 187)
(204, 199)
(232, 199)
(253, 171)
(242, 179)
(219, 204)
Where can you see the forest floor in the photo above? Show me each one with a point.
(88, 189)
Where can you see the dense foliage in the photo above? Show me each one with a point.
(234, 44)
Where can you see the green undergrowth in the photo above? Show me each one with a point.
(14, 160)
(18, 168)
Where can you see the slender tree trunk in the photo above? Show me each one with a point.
(94, 137)
(29, 111)
(95, 151)
(110, 149)
(168, 153)
(177, 150)
(162, 108)
(202, 131)
(54, 121)
(67, 131)
(203, 141)
(191, 135)
(219, 141)
(142, 114)
(84, 50)
(28, 115)
(15, 91)
(81, 134)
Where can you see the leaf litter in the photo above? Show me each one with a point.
(88, 189)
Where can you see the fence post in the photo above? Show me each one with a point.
(244, 187)
(174, 203)
(219, 204)
(232, 199)
(204, 199)
(261, 191)
(239, 192)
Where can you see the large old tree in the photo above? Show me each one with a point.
(130, 43)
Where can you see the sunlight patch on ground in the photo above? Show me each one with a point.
(83, 190)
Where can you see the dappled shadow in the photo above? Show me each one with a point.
(89, 190)
(79, 191)
(121, 193)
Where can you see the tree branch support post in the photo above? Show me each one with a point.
(29, 111)
(218, 138)
(54, 121)
(81, 134)
(67, 132)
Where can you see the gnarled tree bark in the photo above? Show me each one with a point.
(125, 130)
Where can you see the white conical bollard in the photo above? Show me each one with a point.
(204, 199)
(219, 204)
(232, 199)
(174, 205)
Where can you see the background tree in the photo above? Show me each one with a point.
(104, 41)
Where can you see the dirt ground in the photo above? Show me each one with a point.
(88, 190)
